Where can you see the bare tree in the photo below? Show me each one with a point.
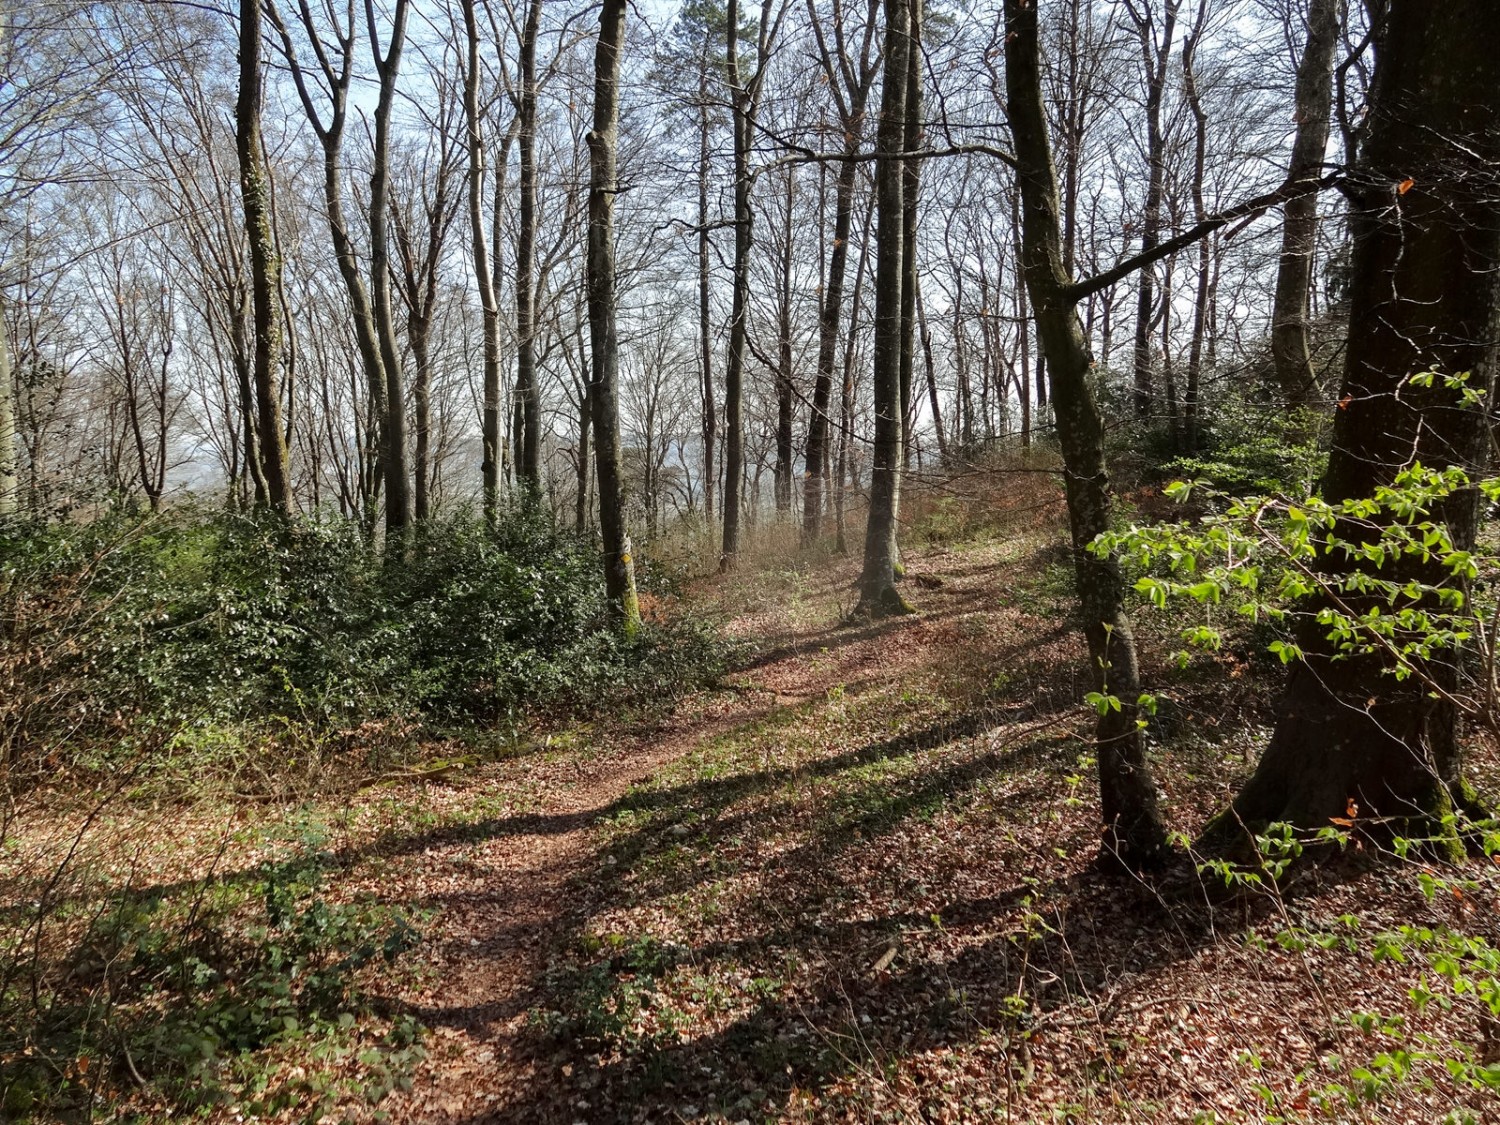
(603, 140)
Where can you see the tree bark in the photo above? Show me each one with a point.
(479, 247)
(603, 140)
(878, 596)
(1134, 834)
(734, 374)
(265, 266)
(529, 408)
(1425, 289)
(709, 418)
(1290, 347)
(9, 466)
(1155, 57)
(851, 90)
(398, 499)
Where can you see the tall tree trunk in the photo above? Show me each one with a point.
(9, 466)
(1200, 212)
(784, 386)
(1155, 57)
(709, 419)
(265, 265)
(398, 500)
(1134, 834)
(846, 390)
(878, 596)
(828, 341)
(911, 182)
(603, 142)
(374, 332)
(479, 248)
(1290, 346)
(528, 392)
(1425, 290)
(734, 427)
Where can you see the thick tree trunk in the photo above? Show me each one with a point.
(398, 500)
(1425, 290)
(878, 596)
(1290, 347)
(265, 266)
(1134, 834)
(603, 141)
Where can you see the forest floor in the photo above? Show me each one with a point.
(856, 882)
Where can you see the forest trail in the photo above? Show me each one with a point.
(510, 901)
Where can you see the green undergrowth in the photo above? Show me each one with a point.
(249, 993)
(193, 645)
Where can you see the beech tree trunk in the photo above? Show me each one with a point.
(603, 142)
(528, 391)
(1155, 56)
(1134, 834)
(9, 467)
(1425, 289)
(878, 596)
(479, 246)
(265, 266)
(734, 374)
(1290, 347)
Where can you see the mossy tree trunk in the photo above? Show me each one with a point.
(265, 267)
(1425, 290)
(603, 142)
(1134, 834)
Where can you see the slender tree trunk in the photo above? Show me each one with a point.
(1200, 212)
(479, 248)
(1290, 346)
(828, 341)
(603, 140)
(846, 390)
(878, 596)
(1134, 832)
(528, 392)
(1155, 57)
(705, 309)
(734, 436)
(931, 367)
(1425, 290)
(911, 182)
(783, 468)
(9, 466)
(265, 265)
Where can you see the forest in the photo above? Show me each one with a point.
(800, 561)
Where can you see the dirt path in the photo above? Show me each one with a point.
(506, 903)
(509, 900)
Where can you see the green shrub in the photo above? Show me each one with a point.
(122, 635)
